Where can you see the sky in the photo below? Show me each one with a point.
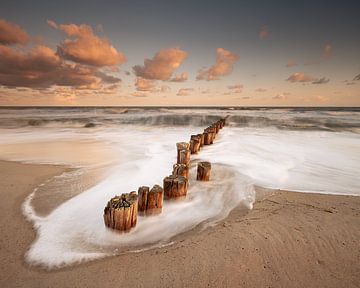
(180, 53)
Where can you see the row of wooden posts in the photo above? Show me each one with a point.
(121, 212)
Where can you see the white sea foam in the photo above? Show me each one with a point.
(310, 161)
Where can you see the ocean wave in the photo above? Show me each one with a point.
(284, 119)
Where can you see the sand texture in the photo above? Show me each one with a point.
(288, 240)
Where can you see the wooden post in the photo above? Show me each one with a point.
(142, 195)
(183, 153)
(181, 169)
(216, 126)
(207, 138)
(155, 200)
(203, 171)
(175, 186)
(201, 136)
(195, 143)
(120, 212)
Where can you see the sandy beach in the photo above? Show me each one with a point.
(288, 240)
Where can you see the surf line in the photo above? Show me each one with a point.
(121, 211)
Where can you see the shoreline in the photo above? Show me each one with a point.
(288, 239)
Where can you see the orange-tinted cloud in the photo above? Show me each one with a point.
(12, 33)
(165, 88)
(225, 61)
(139, 94)
(291, 63)
(180, 78)
(264, 32)
(300, 77)
(322, 80)
(85, 47)
(142, 84)
(162, 65)
(236, 88)
(185, 91)
(327, 52)
(41, 67)
(280, 96)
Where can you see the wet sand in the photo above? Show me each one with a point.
(288, 240)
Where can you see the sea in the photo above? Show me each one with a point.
(106, 151)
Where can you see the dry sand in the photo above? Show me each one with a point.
(288, 240)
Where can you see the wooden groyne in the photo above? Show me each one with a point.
(121, 211)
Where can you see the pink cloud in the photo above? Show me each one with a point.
(85, 47)
(12, 33)
(41, 67)
(322, 80)
(300, 77)
(225, 61)
(236, 88)
(139, 94)
(280, 96)
(180, 78)
(142, 84)
(185, 91)
(162, 65)
(264, 33)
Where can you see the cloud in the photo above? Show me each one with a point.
(139, 94)
(357, 78)
(85, 47)
(327, 52)
(280, 96)
(180, 78)
(236, 88)
(300, 77)
(185, 91)
(12, 33)
(162, 65)
(322, 80)
(291, 63)
(260, 90)
(303, 78)
(165, 88)
(142, 84)
(225, 61)
(264, 33)
(41, 68)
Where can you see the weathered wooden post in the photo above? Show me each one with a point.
(216, 126)
(181, 169)
(142, 196)
(155, 200)
(203, 171)
(175, 186)
(120, 212)
(195, 143)
(201, 136)
(183, 153)
(207, 138)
